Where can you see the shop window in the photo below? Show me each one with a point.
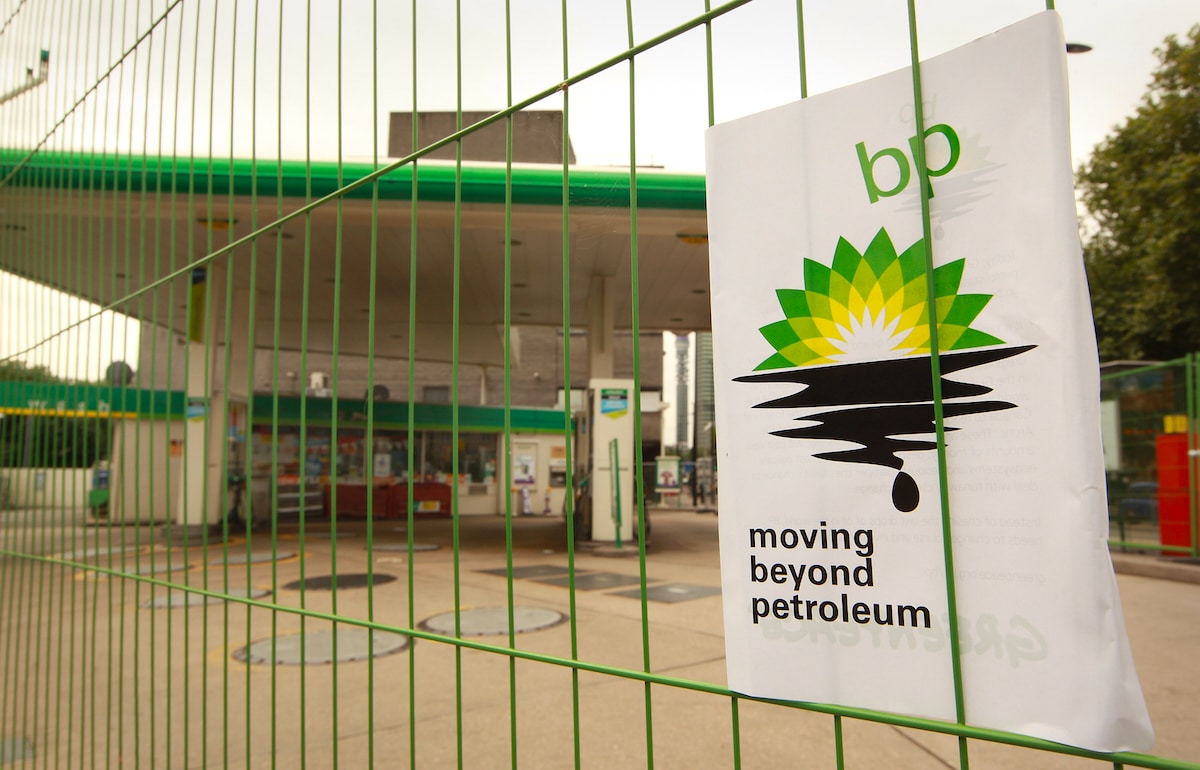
(436, 394)
(476, 457)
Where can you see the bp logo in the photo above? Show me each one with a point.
(856, 340)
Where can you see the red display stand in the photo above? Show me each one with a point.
(1174, 502)
(352, 500)
(430, 499)
(388, 500)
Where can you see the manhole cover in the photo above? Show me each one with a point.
(198, 541)
(143, 569)
(189, 599)
(671, 592)
(91, 554)
(157, 568)
(352, 644)
(15, 749)
(493, 621)
(350, 580)
(593, 581)
(403, 547)
(530, 571)
(258, 557)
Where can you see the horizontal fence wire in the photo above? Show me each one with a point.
(175, 534)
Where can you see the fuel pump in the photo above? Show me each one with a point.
(604, 452)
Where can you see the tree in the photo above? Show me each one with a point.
(49, 441)
(1142, 189)
(19, 371)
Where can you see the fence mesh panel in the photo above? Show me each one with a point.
(279, 483)
(1149, 414)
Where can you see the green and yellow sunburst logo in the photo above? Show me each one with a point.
(872, 306)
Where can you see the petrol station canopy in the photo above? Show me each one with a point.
(139, 225)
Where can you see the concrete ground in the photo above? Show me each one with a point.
(88, 675)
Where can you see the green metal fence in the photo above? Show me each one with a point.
(1150, 446)
(216, 171)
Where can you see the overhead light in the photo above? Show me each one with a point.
(693, 239)
(520, 285)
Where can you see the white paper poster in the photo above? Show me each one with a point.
(831, 539)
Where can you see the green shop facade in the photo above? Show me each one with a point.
(119, 450)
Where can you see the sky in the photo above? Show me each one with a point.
(232, 88)
(334, 96)
(30, 313)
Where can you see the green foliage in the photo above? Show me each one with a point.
(19, 371)
(1142, 189)
(53, 442)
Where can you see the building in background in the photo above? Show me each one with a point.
(536, 378)
(705, 425)
(682, 354)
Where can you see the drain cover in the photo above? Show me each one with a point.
(493, 621)
(352, 644)
(349, 580)
(189, 599)
(258, 557)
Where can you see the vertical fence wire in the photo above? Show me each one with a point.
(43, 455)
(510, 590)
(936, 376)
(373, 256)
(1189, 388)
(305, 436)
(456, 268)
(639, 502)
(21, 568)
(568, 394)
(245, 432)
(410, 433)
(335, 421)
(275, 345)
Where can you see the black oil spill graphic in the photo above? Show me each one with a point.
(889, 401)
